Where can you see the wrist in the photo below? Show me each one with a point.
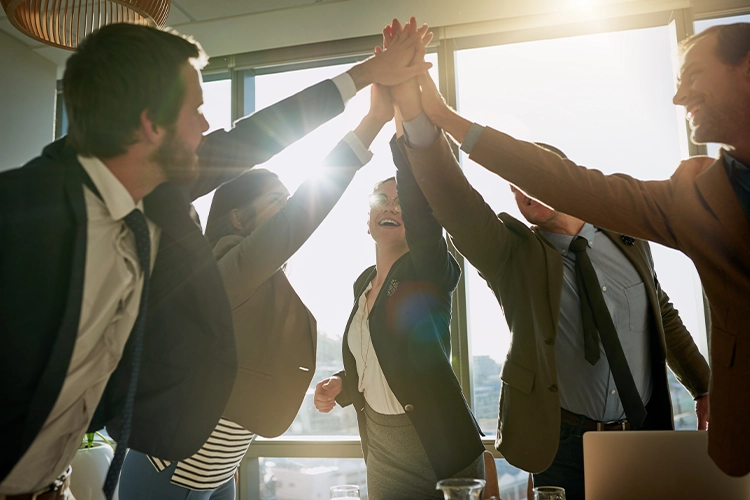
(410, 108)
(360, 74)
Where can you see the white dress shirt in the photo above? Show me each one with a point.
(112, 288)
(372, 382)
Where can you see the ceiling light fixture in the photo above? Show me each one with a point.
(64, 23)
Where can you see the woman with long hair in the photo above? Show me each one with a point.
(415, 425)
(254, 227)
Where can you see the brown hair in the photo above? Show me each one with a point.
(115, 74)
(240, 193)
(732, 41)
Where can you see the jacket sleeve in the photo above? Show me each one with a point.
(261, 135)
(246, 266)
(424, 235)
(683, 357)
(475, 229)
(618, 202)
(344, 399)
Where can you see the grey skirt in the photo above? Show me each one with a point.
(397, 465)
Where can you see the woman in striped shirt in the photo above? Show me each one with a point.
(255, 227)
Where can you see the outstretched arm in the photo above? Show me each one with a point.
(259, 136)
(617, 202)
(249, 264)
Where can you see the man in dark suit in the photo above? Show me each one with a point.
(702, 210)
(78, 254)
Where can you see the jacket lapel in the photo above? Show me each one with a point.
(718, 193)
(54, 374)
(554, 276)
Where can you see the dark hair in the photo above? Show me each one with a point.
(380, 183)
(115, 74)
(552, 149)
(240, 193)
(732, 41)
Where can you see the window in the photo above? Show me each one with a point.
(605, 100)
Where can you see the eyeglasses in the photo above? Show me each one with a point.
(378, 201)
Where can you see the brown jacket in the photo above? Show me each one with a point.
(526, 274)
(695, 211)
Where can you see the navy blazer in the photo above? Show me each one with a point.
(189, 361)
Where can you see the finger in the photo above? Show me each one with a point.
(412, 25)
(423, 30)
(387, 36)
(396, 26)
(378, 50)
(427, 38)
(419, 68)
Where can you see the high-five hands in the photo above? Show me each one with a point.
(396, 64)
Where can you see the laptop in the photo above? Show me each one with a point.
(655, 465)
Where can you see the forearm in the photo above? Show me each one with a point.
(617, 202)
(474, 227)
(261, 135)
(369, 128)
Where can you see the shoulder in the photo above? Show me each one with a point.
(693, 166)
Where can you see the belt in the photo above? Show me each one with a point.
(55, 491)
(572, 419)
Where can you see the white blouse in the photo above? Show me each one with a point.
(372, 382)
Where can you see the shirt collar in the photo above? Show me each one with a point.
(116, 198)
(562, 241)
(732, 165)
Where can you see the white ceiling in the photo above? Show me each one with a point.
(234, 26)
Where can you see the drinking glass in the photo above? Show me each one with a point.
(350, 491)
(549, 493)
(460, 488)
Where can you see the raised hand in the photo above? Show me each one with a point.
(432, 102)
(396, 64)
(326, 392)
(406, 95)
(381, 103)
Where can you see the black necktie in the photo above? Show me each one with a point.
(595, 316)
(136, 221)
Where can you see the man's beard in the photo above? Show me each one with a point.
(179, 164)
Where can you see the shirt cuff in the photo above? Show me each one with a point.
(358, 148)
(420, 133)
(346, 86)
(471, 137)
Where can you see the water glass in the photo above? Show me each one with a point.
(349, 491)
(549, 493)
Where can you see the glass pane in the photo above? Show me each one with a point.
(217, 108)
(341, 240)
(309, 478)
(713, 149)
(606, 101)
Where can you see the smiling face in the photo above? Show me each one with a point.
(385, 224)
(177, 155)
(716, 95)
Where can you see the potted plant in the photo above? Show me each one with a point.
(90, 467)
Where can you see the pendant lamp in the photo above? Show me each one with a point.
(64, 23)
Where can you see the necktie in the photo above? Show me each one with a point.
(136, 221)
(595, 316)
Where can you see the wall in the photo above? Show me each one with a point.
(27, 102)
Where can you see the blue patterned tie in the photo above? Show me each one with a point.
(136, 221)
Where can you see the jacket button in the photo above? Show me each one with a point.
(409, 407)
(552, 388)
(549, 341)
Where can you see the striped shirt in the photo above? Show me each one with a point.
(215, 463)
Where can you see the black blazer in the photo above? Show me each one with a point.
(410, 331)
(189, 352)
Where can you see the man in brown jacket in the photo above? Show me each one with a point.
(702, 210)
(551, 395)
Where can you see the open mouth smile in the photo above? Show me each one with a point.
(388, 223)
